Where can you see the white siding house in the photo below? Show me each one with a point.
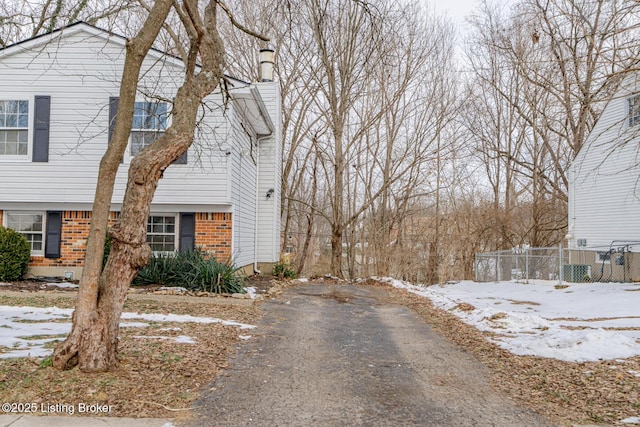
(58, 96)
(604, 187)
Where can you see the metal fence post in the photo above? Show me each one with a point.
(475, 267)
(499, 267)
(526, 265)
(561, 265)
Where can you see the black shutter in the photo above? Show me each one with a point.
(187, 232)
(53, 238)
(182, 160)
(113, 110)
(41, 117)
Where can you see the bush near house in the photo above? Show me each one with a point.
(282, 269)
(191, 270)
(14, 255)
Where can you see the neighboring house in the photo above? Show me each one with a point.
(604, 192)
(58, 99)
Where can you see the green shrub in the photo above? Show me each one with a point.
(191, 270)
(162, 269)
(283, 269)
(14, 255)
(212, 276)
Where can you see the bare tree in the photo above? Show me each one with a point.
(92, 343)
(540, 76)
(29, 18)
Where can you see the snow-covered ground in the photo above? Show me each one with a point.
(25, 330)
(580, 322)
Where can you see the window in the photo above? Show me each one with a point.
(161, 233)
(149, 123)
(30, 225)
(603, 257)
(14, 128)
(634, 110)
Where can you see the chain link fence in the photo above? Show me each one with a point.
(522, 264)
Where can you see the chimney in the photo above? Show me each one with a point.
(266, 65)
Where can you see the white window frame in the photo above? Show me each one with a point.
(5, 220)
(633, 110)
(603, 257)
(175, 234)
(159, 130)
(28, 129)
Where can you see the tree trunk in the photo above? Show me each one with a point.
(93, 341)
(336, 251)
(90, 326)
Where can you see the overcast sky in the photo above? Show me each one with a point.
(455, 9)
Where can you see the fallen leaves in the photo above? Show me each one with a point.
(590, 392)
(156, 377)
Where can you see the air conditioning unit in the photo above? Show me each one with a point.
(576, 273)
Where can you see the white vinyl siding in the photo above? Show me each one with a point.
(86, 72)
(270, 177)
(243, 192)
(30, 225)
(604, 185)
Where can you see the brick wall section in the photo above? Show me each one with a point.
(213, 234)
(75, 230)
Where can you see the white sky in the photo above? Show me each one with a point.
(457, 10)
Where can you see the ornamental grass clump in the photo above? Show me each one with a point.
(14, 255)
(191, 270)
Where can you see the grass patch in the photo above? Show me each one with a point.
(41, 337)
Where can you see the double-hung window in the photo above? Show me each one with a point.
(634, 110)
(30, 225)
(149, 124)
(14, 128)
(161, 233)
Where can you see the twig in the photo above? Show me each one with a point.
(165, 407)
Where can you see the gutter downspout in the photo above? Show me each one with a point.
(255, 227)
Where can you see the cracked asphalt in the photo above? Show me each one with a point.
(342, 355)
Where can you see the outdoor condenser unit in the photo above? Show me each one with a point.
(576, 273)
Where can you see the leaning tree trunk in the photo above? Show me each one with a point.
(93, 342)
(89, 308)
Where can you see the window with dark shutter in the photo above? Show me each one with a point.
(53, 237)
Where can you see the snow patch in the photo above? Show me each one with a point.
(538, 319)
(25, 330)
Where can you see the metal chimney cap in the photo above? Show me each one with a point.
(267, 61)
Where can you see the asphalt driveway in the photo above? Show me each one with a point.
(343, 355)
